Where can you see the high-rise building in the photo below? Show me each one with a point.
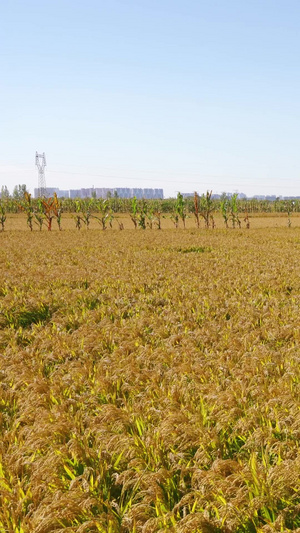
(103, 192)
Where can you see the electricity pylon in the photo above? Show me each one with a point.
(40, 161)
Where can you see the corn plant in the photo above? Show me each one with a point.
(2, 215)
(38, 214)
(247, 220)
(86, 214)
(289, 207)
(157, 219)
(59, 211)
(175, 218)
(58, 218)
(142, 215)
(28, 208)
(206, 209)
(78, 220)
(150, 220)
(196, 208)
(134, 212)
(77, 216)
(106, 214)
(234, 211)
(120, 225)
(225, 206)
(150, 216)
(50, 209)
(180, 208)
(83, 213)
(39, 219)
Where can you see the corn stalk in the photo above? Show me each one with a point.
(106, 215)
(2, 215)
(196, 209)
(28, 208)
(180, 208)
(234, 211)
(86, 213)
(157, 219)
(206, 209)
(225, 206)
(247, 220)
(133, 214)
(50, 208)
(38, 214)
(142, 215)
(289, 208)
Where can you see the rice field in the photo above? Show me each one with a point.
(149, 380)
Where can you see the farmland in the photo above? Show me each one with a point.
(150, 380)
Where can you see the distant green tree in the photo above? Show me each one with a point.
(19, 191)
(4, 192)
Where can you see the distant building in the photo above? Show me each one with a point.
(271, 198)
(49, 191)
(104, 192)
(63, 194)
(138, 193)
(126, 192)
(86, 193)
(75, 193)
(123, 192)
(288, 198)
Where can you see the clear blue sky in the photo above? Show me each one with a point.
(177, 94)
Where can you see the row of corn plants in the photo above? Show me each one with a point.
(143, 214)
(168, 205)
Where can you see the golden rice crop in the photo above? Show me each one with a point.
(149, 380)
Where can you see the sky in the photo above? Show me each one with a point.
(182, 95)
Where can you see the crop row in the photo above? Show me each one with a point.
(143, 213)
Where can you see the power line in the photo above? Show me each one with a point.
(106, 176)
(162, 180)
(183, 174)
(240, 180)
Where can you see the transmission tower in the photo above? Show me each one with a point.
(40, 161)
